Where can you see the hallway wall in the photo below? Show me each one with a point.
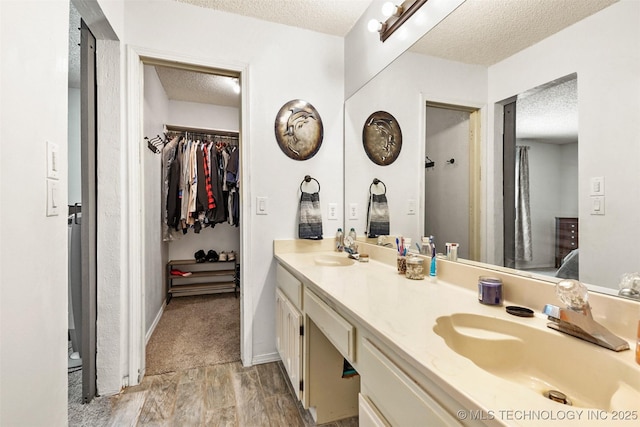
(274, 54)
(33, 246)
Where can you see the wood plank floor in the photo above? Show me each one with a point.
(217, 395)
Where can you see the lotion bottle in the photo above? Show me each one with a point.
(339, 240)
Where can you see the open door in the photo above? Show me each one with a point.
(88, 138)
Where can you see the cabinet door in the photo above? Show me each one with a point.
(289, 339)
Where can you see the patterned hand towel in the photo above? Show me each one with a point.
(310, 220)
(378, 216)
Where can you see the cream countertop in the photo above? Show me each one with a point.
(403, 312)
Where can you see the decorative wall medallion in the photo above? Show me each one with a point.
(299, 129)
(382, 138)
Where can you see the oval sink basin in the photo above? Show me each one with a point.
(333, 260)
(543, 360)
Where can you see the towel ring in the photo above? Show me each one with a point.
(376, 181)
(308, 179)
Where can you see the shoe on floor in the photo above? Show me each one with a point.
(231, 256)
(223, 256)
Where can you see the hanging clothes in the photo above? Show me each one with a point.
(195, 175)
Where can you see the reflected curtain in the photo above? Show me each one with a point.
(524, 250)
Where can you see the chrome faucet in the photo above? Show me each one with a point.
(576, 318)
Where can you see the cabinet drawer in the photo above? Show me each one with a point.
(368, 414)
(290, 286)
(397, 396)
(340, 332)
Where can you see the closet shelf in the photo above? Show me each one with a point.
(208, 273)
(220, 269)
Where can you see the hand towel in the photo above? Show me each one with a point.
(377, 216)
(310, 219)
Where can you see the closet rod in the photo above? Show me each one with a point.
(172, 128)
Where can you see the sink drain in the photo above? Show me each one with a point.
(557, 396)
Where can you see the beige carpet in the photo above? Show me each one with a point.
(195, 331)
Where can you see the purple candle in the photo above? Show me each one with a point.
(489, 290)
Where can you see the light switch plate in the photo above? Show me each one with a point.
(596, 186)
(411, 207)
(353, 211)
(261, 206)
(53, 198)
(53, 160)
(333, 211)
(597, 205)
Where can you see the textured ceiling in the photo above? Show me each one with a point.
(335, 17)
(549, 114)
(192, 86)
(485, 32)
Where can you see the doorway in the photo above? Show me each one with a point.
(540, 169)
(82, 198)
(452, 174)
(182, 115)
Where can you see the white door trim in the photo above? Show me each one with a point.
(134, 214)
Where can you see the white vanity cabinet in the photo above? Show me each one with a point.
(289, 326)
(388, 390)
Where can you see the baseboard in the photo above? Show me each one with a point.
(265, 358)
(155, 323)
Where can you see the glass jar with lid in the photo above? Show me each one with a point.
(415, 268)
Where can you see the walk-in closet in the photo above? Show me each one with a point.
(192, 184)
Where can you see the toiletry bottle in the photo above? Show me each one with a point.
(339, 240)
(352, 234)
(425, 249)
(407, 245)
(432, 269)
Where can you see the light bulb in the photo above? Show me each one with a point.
(389, 9)
(374, 25)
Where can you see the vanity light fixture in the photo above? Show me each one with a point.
(375, 26)
(390, 9)
(395, 15)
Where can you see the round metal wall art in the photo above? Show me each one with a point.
(382, 138)
(299, 129)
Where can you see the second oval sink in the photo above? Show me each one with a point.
(543, 360)
(333, 260)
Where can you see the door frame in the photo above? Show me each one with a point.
(136, 57)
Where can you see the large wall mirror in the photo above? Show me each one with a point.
(575, 94)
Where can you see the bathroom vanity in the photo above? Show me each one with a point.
(428, 354)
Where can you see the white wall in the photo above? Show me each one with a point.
(156, 113)
(275, 77)
(75, 177)
(603, 51)
(402, 89)
(33, 247)
(365, 55)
